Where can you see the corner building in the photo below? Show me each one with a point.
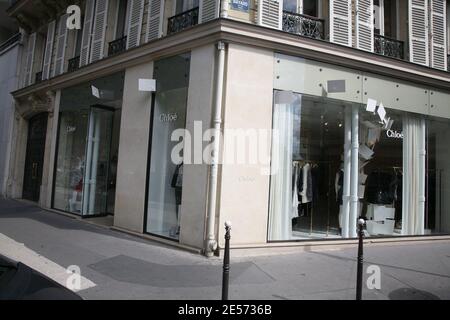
(353, 96)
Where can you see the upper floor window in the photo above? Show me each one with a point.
(185, 5)
(385, 15)
(123, 12)
(307, 7)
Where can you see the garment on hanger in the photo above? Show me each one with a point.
(177, 183)
(306, 192)
(295, 202)
(381, 187)
(339, 186)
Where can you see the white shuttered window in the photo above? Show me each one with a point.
(270, 13)
(31, 46)
(438, 34)
(154, 19)
(99, 30)
(418, 32)
(341, 22)
(208, 10)
(364, 26)
(48, 50)
(61, 44)
(86, 33)
(135, 23)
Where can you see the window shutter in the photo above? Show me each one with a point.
(86, 33)
(418, 32)
(364, 25)
(340, 22)
(154, 20)
(61, 43)
(208, 10)
(48, 50)
(31, 45)
(270, 13)
(135, 23)
(438, 34)
(99, 30)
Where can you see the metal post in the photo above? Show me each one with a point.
(359, 276)
(226, 262)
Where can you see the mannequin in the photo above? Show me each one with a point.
(177, 184)
(339, 189)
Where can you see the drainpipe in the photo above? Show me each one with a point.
(354, 173)
(211, 243)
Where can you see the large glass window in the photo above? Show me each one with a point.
(308, 158)
(166, 173)
(86, 159)
(396, 176)
(438, 176)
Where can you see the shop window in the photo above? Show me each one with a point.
(398, 179)
(86, 157)
(437, 219)
(166, 172)
(306, 182)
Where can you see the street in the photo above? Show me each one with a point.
(115, 265)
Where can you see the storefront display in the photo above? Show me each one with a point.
(338, 159)
(166, 174)
(87, 147)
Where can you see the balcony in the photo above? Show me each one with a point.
(389, 47)
(117, 46)
(74, 64)
(304, 25)
(38, 77)
(182, 21)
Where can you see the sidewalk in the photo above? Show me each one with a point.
(115, 265)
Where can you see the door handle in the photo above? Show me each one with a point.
(34, 171)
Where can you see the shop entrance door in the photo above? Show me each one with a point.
(34, 159)
(98, 148)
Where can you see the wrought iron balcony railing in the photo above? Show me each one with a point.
(304, 25)
(389, 47)
(117, 46)
(182, 21)
(38, 77)
(74, 64)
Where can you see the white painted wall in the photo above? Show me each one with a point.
(195, 176)
(8, 83)
(133, 145)
(248, 105)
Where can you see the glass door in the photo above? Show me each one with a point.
(98, 146)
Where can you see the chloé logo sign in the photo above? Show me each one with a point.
(168, 117)
(394, 134)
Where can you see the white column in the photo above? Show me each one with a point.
(354, 173)
(94, 162)
(422, 178)
(347, 172)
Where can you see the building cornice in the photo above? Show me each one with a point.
(247, 34)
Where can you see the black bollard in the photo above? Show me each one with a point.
(226, 262)
(359, 277)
